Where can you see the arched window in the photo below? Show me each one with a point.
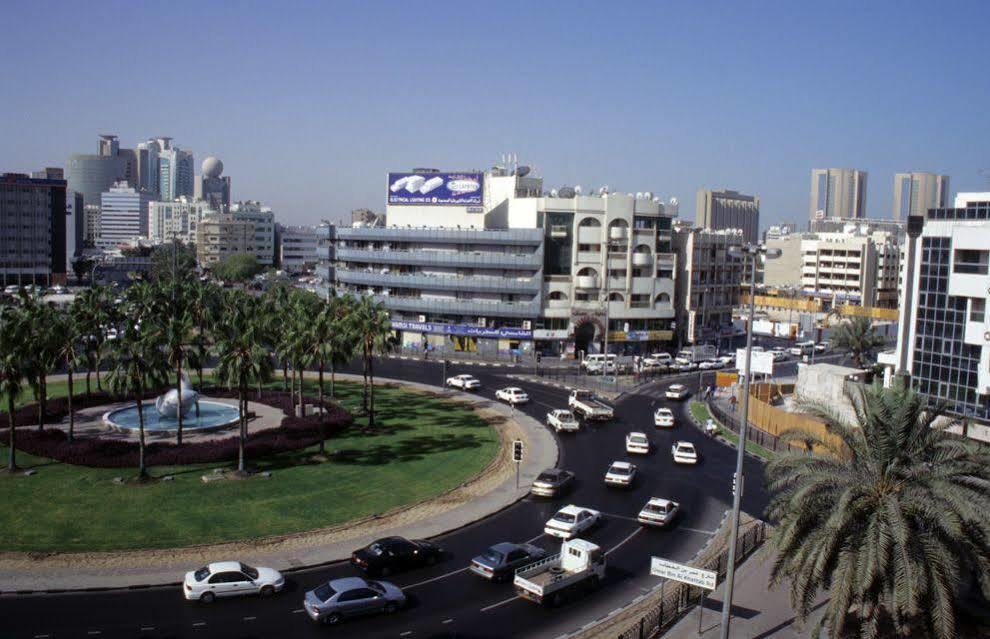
(590, 222)
(616, 297)
(663, 299)
(557, 296)
(587, 271)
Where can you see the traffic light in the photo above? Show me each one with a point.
(517, 450)
(539, 357)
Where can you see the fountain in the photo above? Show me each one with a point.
(162, 415)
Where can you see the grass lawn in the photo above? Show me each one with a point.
(699, 410)
(430, 445)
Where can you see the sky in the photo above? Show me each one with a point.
(310, 104)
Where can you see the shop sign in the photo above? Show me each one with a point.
(462, 330)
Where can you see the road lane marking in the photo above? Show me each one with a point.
(298, 610)
(541, 535)
(147, 628)
(438, 578)
(93, 633)
(406, 633)
(621, 543)
(249, 618)
(501, 603)
(446, 621)
(199, 624)
(710, 533)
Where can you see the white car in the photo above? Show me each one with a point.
(230, 579)
(820, 348)
(727, 360)
(684, 366)
(563, 420)
(512, 395)
(570, 521)
(658, 512)
(684, 453)
(677, 391)
(779, 354)
(663, 418)
(620, 473)
(709, 364)
(464, 382)
(637, 444)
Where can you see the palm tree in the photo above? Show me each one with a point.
(372, 328)
(891, 522)
(857, 336)
(92, 311)
(203, 298)
(276, 303)
(330, 337)
(42, 354)
(12, 357)
(177, 322)
(244, 359)
(67, 332)
(342, 336)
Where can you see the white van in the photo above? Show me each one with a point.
(802, 348)
(596, 363)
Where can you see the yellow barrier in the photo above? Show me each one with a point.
(872, 312)
(773, 301)
(774, 420)
(723, 379)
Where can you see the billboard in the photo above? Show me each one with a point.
(452, 189)
(462, 330)
(762, 361)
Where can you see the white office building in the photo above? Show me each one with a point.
(264, 228)
(297, 247)
(855, 267)
(123, 215)
(177, 219)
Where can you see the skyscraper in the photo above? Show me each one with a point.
(124, 214)
(175, 170)
(915, 193)
(212, 186)
(837, 193)
(32, 229)
(721, 209)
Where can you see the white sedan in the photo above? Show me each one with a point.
(663, 418)
(620, 473)
(570, 521)
(684, 453)
(658, 512)
(709, 364)
(230, 579)
(512, 395)
(637, 444)
(677, 391)
(464, 382)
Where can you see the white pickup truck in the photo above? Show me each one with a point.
(579, 567)
(563, 421)
(583, 403)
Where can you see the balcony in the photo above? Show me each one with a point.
(618, 233)
(642, 259)
(507, 237)
(480, 259)
(438, 282)
(586, 281)
(461, 307)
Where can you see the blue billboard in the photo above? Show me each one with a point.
(458, 189)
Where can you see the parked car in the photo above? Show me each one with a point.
(620, 473)
(393, 554)
(637, 444)
(570, 521)
(684, 366)
(658, 512)
(339, 599)
(659, 359)
(564, 420)
(677, 391)
(684, 453)
(779, 354)
(821, 347)
(230, 579)
(709, 364)
(512, 395)
(663, 418)
(464, 382)
(727, 360)
(499, 562)
(552, 482)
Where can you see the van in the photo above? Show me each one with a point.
(802, 348)
(595, 363)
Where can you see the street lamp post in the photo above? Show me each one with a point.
(749, 253)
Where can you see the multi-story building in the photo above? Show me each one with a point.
(221, 235)
(708, 283)
(723, 209)
(837, 193)
(297, 247)
(263, 220)
(779, 231)
(212, 185)
(32, 230)
(944, 333)
(123, 215)
(177, 219)
(855, 267)
(915, 193)
(91, 225)
(489, 262)
(175, 170)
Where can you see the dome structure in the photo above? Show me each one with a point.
(212, 167)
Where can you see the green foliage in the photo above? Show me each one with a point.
(13, 345)
(177, 257)
(238, 267)
(892, 522)
(857, 336)
(82, 267)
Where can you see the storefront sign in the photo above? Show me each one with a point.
(681, 572)
(462, 330)
(460, 189)
(541, 333)
(640, 336)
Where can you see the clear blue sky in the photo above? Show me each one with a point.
(309, 104)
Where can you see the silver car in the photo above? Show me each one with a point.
(352, 597)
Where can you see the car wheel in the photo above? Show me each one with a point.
(332, 619)
(267, 591)
(207, 597)
(390, 608)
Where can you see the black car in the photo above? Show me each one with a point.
(393, 554)
(552, 482)
(499, 562)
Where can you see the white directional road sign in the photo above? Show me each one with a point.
(762, 362)
(667, 569)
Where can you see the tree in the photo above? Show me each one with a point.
(275, 302)
(238, 267)
(42, 353)
(92, 313)
(372, 328)
(204, 313)
(175, 256)
(244, 359)
(857, 336)
(12, 357)
(891, 521)
(331, 341)
(82, 267)
(67, 333)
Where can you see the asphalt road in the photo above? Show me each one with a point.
(446, 600)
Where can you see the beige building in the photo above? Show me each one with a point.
(915, 193)
(707, 284)
(719, 209)
(784, 271)
(837, 193)
(221, 235)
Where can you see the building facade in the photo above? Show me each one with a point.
(218, 236)
(297, 247)
(708, 284)
(212, 185)
(837, 193)
(123, 215)
(32, 230)
(722, 209)
(178, 219)
(915, 193)
(175, 170)
(263, 220)
(854, 267)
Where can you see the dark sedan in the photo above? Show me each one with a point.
(552, 482)
(393, 554)
(499, 563)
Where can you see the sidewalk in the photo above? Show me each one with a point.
(757, 611)
(488, 493)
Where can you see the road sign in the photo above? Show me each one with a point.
(667, 569)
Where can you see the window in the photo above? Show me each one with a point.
(977, 309)
(970, 261)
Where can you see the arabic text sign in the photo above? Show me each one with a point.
(680, 572)
(427, 188)
(462, 330)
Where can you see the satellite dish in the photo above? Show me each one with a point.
(553, 192)
(639, 195)
(523, 171)
(603, 190)
(648, 195)
(577, 189)
(673, 201)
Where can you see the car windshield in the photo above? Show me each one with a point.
(685, 448)
(377, 587)
(249, 571)
(376, 549)
(324, 592)
(201, 574)
(620, 470)
(567, 518)
(655, 508)
(550, 477)
(493, 556)
(637, 439)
